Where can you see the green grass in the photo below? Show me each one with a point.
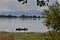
(31, 36)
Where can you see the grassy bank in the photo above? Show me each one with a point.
(29, 36)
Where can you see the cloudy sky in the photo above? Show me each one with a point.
(14, 5)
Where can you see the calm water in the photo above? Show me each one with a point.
(33, 25)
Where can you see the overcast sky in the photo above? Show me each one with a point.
(14, 5)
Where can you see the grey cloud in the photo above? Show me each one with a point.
(14, 5)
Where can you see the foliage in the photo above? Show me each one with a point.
(29, 36)
(52, 15)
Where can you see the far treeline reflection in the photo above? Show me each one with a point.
(22, 16)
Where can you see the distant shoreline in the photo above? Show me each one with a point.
(22, 16)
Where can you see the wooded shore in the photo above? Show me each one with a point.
(22, 16)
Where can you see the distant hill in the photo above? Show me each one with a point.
(19, 13)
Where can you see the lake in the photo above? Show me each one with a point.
(33, 24)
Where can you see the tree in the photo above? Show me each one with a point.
(52, 17)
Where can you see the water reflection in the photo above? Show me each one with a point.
(33, 24)
(30, 18)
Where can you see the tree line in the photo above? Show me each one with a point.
(22, 16)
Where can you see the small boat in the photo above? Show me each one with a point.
(21, 29)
